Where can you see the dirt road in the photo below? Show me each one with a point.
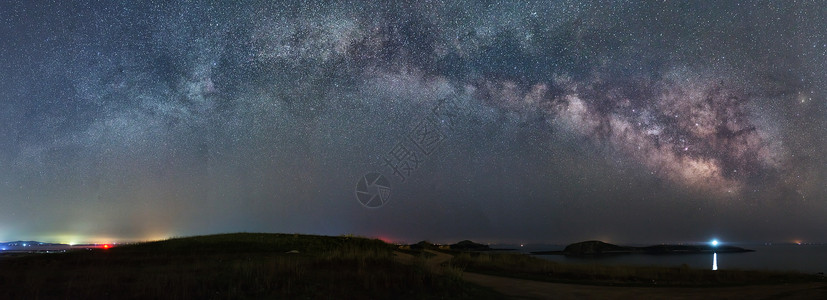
(530, 289)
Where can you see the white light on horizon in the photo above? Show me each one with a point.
(714, 243)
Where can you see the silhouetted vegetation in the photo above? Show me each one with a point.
(529, 267)
(231, 266)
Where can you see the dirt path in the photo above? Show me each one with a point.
(439, 259)
(434, 263)
(530, 289)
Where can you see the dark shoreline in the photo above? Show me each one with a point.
(598, 248)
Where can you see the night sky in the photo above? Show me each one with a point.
(558, 121)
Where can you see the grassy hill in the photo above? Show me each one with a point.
(529, 267)
(231, 266)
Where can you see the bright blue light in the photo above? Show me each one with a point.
(714, 243)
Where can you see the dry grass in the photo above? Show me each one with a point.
(234, 266)
(525, 266)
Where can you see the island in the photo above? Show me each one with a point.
(595, 248)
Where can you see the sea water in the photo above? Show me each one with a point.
(802, 258)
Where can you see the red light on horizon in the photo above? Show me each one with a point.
(106, 246)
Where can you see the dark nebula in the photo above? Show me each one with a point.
(626, 121)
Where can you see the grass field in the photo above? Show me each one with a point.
(231, 266)
(528, 267)
(292, 266)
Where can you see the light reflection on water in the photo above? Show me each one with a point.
(714, 261)
(802, 258)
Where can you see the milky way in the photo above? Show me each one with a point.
(128, 121)
(695, 131)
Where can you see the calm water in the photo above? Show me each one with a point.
(803, 258)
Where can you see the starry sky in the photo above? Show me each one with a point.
(546, 121)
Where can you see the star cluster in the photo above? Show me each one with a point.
(132, 120)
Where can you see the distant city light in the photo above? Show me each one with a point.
(714, 243)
